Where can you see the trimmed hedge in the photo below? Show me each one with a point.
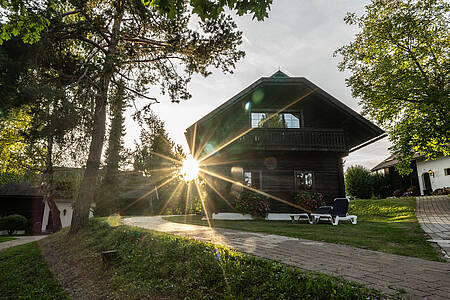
(13, 223)
(172, 265)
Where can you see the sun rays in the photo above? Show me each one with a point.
(195, 169)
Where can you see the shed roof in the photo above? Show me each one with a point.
(19, 189)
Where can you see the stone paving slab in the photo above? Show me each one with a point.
(20, 240)
(433, 214)
(420, 279)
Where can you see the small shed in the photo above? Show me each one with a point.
(23, 199)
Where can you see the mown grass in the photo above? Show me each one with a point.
(388, 225)
(6, 239)
(156, 265)
(25, 275)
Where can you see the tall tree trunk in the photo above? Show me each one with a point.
(86, 193)
(107, 200)
(49, 190)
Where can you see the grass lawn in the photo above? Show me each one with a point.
(153, 265)
(388, 225)
(5, 238)
(25, 275)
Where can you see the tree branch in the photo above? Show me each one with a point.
(71, 13)
(134, 91)
(93, 43)
(151, 60)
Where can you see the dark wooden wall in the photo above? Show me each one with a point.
(31, 207)
(278, 179)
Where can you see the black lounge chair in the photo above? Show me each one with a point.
(335, 213)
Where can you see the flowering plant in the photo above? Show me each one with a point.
(248, 202)
(309, 201)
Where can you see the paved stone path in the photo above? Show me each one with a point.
(421, 279)
(20, 240)
(433, 214)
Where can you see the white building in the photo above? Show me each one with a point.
(433, 174)
(427, 175)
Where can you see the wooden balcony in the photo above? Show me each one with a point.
(298, 139)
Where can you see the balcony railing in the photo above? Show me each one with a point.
(302, 139)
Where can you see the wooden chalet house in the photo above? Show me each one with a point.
(280, 135)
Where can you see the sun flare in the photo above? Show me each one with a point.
(190, 168)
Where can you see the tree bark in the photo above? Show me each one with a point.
(86, 193)
(49, 190)
(107, 200)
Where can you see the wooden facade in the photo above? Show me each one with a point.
(280, 135)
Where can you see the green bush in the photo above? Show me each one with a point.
(13, 223)
(380, 186)
(252, 203)
(360, 183)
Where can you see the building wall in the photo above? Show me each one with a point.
(439, 180)
(66, 211)
(278, 178)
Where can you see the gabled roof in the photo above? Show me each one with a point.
(281, 78)
(19, 189)
(279, 74)
(392, 161)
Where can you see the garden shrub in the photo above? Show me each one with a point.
(255, 204)
(413, 190)
(398, 193)
(441, 191)
(360, 183)
(13, 223)
(380, 186)
(309, 201)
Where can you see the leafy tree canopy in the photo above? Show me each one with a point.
(400, 70)
(25, 20)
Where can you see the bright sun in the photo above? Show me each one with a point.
(189, 170)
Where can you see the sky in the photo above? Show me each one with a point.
(299, 38)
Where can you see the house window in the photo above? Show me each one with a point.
(303, 180)
(447, 172)
(271, 120)
(291, 121)
(252, 179)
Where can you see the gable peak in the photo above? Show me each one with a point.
(279, 74)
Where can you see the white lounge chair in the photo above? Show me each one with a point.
(334, 214)
(297, 217)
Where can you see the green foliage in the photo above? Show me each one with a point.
(399, 64)
(207, 9)
(380, 185)
(360, 183)
(17, 157)
(24, 274)
(253, 203)
(23, 21)
(13, 223)
(161, 264)
(309, 201)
